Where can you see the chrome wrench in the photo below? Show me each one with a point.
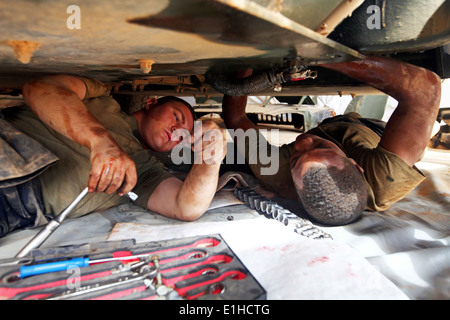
(39, 238)
(144, 273)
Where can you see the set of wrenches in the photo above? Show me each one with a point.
(196, 268)
(272, 210)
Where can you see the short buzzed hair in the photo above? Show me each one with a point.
(131, 103)
(176, 99)
(332, 196)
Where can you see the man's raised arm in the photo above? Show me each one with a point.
(418, 92)
(189, 199)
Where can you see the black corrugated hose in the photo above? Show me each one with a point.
(244, 86)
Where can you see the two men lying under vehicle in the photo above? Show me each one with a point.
(344, 166)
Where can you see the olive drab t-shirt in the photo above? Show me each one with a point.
(63, 181)
(387, 176)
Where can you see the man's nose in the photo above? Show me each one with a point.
(180, 134)
(175, 126)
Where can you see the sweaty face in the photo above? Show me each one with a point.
(311, 150)
(160, 122)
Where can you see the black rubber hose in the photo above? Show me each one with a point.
(241, 87)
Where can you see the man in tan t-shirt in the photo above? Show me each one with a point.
(111, 152)
(344, 166)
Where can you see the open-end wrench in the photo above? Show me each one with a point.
(145, 274)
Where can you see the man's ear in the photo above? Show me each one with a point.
(151, 102)
(356, 165)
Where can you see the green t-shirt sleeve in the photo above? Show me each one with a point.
(390, 178)
(94, 88)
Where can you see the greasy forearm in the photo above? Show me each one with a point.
(62, 109)
(197, 191)
(187, 200)
(400, 80)
(418, 92)
(233, 113)
(57, 101)
(199, 187)
(233, 108)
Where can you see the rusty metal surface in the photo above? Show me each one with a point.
(403, 26)
(246, 22)
(183, 37)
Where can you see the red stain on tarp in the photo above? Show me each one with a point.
(317, 260)
(265, 248)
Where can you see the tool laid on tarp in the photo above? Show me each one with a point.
(35, 269)
(272, 210)
(40, 237)
(202, 267)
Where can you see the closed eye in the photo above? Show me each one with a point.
(320, 144)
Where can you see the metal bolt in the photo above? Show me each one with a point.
(161, 289)
(155, 260)
(277, 88)
(146, 65)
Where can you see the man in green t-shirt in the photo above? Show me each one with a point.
(111, 152)
(345, 165)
